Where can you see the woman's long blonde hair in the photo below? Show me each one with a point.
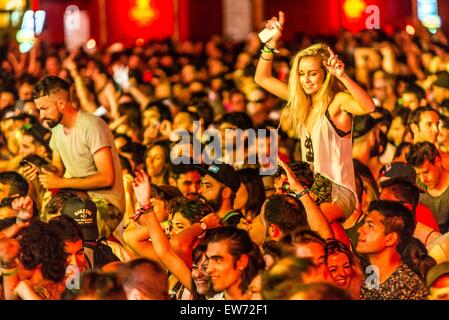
(299, 104)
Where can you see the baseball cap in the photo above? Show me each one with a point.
(442, 80)
(84, 212)
(435, 272)
(398, 171)
(223, 173)
(362, 125)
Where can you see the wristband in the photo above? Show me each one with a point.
(265, 50)
(274, 50)
(13, 272)
(266, 58)
(302, 193)
(141, 211)
(8, 264)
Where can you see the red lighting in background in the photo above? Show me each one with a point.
(410, 30)
(146, 19)
(140, 42)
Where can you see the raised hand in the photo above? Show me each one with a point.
(30, 171)
(277, 23)
(142, 188)
(23, 207)
(121, 76)
(334, 65)
(293, 180)
(212, 220)
(50, 180)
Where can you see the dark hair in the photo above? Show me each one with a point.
(58, 201)
(419, 92)
(334, 246)
(49, 85)
(400, 148)
(239, 243)
(240, 119)
(146, 276)
(404, 190)
(175, 170)
(286, 212)
(37, 137)
(18, 184)
(256, 190)
(67, 228)
(192, 210)
(163, 110)
(300, 236)
(416, 257)
(396, 218)
(402, 113)
(40, 244)
(102, 286)
(415, 115)
(280, 280)
(125, 164)
(322, 291)
(134, 116)
(422, 152)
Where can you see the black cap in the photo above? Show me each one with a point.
(398, 171)
(223, 173)
(84, 212)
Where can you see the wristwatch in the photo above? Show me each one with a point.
(203, 226)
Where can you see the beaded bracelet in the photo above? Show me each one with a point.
(299, 195)
(141, 211)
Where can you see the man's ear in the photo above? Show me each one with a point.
(242, 262)
(414, 128)
(171, 181)
(391, 239)
(274, 231)
(226, 193)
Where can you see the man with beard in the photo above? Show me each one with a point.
(83, 151)
(186, 178)
(368, 143)
(219, 185)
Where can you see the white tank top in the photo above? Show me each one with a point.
(332, 154)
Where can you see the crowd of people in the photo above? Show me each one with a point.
(101, 197)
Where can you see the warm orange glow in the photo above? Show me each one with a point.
(140, 42)
(142, 12)
(354, 8)
(410, 30)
